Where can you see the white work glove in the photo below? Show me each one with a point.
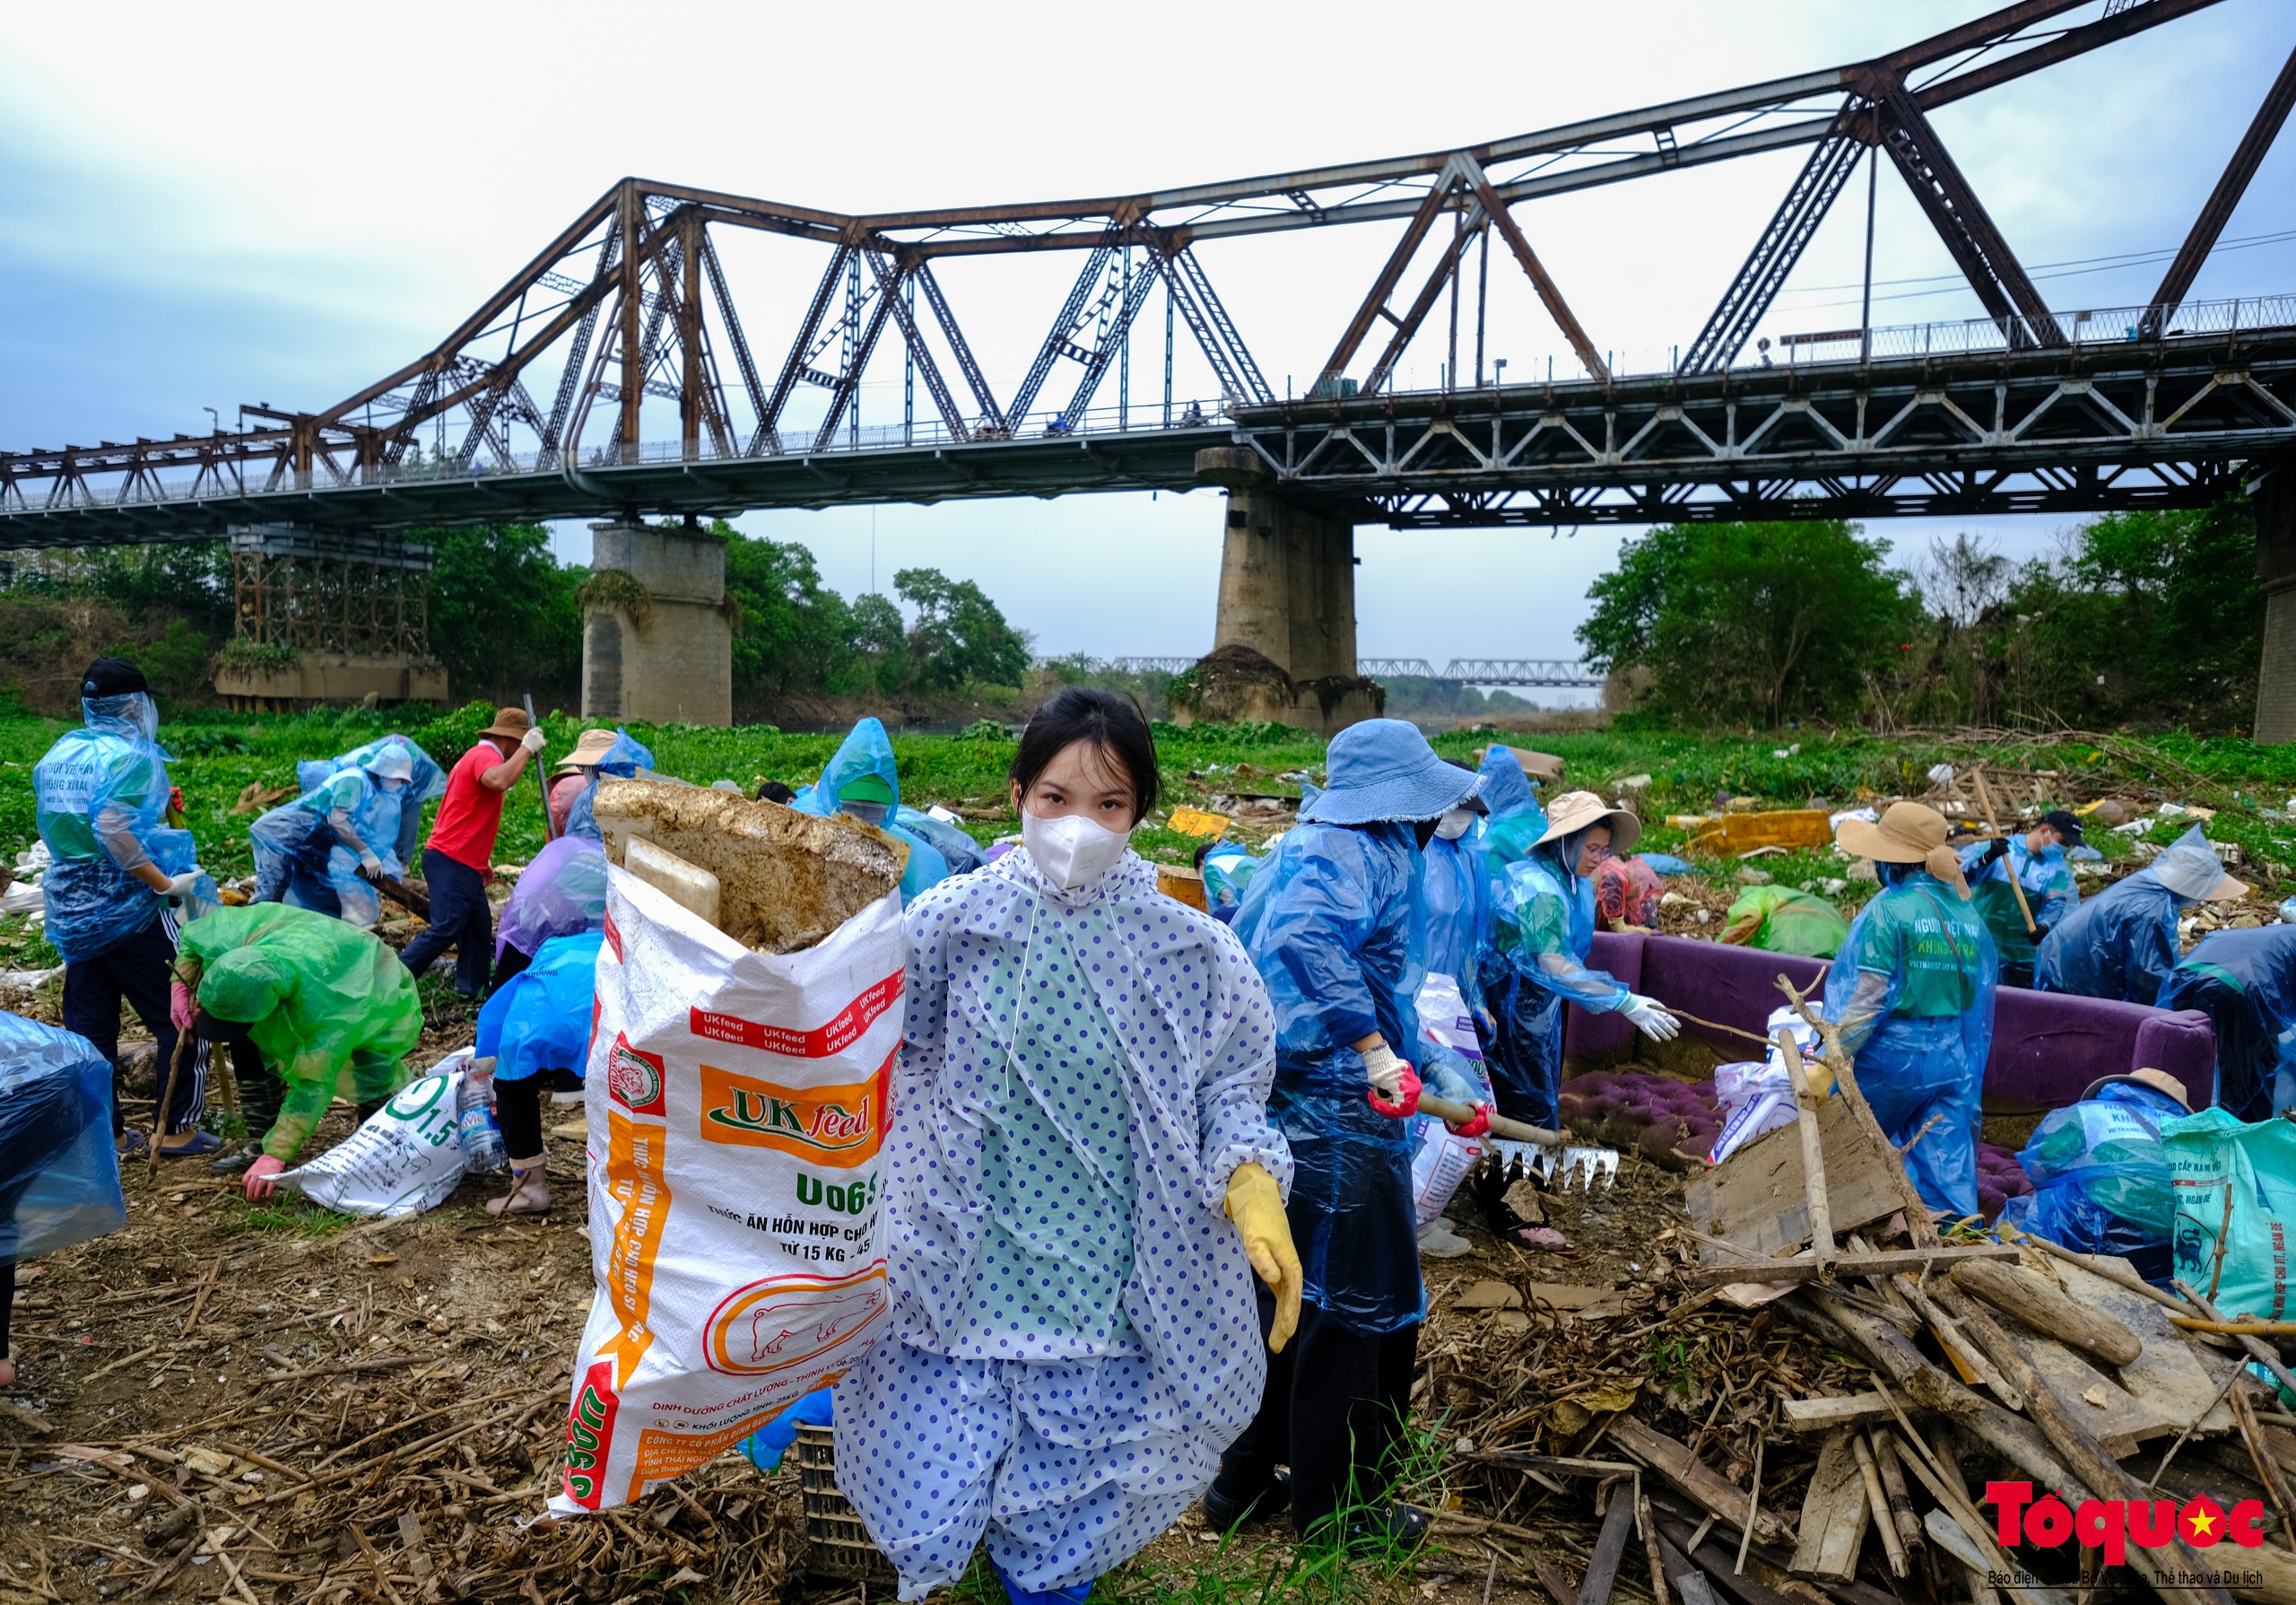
(533, 740)
(1650, 1018)
(181, 885)
(1384, 1071)
(370, 863)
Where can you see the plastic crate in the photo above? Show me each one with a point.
(836, 1543)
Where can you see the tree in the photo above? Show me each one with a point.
(881, 643)
(503, 617)
(1751, 622)
(960, 636)
(797, 633)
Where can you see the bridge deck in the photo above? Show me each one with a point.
(2081, 428)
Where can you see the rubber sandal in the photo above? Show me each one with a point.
(202, 1144)
(520, 1199)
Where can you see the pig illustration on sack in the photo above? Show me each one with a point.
(813, 1319)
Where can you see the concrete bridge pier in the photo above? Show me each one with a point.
(1284, 647)
(657, 644)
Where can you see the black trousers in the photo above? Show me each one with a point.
(137, 971)
(460, 918)
(1334, 1410)
(518, 1109)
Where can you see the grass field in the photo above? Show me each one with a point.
(218, 755)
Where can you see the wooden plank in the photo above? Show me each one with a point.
(1834, 1512)
(1910, 1261)
(1610, 1547)
(1825, 1415)
(2174, 1380)
(1756, 1200)
(1711, 1490)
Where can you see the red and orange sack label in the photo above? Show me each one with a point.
(738, 1103)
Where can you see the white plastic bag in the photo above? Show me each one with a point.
(1451, 1053)
(410, 1154)
(1758, 1096)
(736, 1101)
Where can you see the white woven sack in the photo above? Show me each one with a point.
(736, 1103)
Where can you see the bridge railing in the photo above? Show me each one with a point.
(1475, 671)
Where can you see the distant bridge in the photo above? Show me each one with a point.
(1471, 671)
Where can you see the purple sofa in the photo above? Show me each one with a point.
(2046, 1048)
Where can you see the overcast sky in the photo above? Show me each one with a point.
(201, 209)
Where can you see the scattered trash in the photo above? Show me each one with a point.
(1542, 1237)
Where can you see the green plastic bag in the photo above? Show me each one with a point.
(330, 1007)
(2208, 1153)
(1787, 921)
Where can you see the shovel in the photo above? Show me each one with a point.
(1537, 1148)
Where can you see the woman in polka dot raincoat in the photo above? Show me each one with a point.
(1082, 1180)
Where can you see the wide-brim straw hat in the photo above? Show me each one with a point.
(509, 723)
(2159, 1081)
(1576, 811)
(1382, 769)
(592, 748)
(1907, 833)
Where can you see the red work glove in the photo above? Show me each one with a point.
(258, 1183)
(1478, 1127)
(1406, 1103)
(180, 1006)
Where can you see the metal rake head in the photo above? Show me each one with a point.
(1579, 1164)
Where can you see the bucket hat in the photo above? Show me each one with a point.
(1575, 811)
(1383, 769)
(392, 764)
(2159, 1081)
(509, 723)
(2189, 868)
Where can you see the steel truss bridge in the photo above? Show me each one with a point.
(1470, 671)
(539, 404)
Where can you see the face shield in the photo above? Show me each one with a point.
(867, 812)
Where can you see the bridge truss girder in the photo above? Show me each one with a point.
(632, 300)
(2033, 431)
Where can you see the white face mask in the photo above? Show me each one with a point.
(1454, 824)
(1072, 850)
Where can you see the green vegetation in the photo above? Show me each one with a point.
(2152, 619)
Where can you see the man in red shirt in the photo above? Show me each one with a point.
(454, 866)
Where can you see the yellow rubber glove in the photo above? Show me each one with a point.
(1257, 1206)
(1820, 1074)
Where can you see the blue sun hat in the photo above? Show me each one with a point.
(1384, 770)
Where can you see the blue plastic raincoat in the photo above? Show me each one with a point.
(1228, 871)
(2101, 1178)
(1542, 929)
(2050, 892)
(99, 796)
(1912, 990)
(2122, 942)
(540, 1019)
(868, 750)
(59, 1174)
(1336, 923)
(397, 826)
(623, 760)
(2244, 981)
(561, 894)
